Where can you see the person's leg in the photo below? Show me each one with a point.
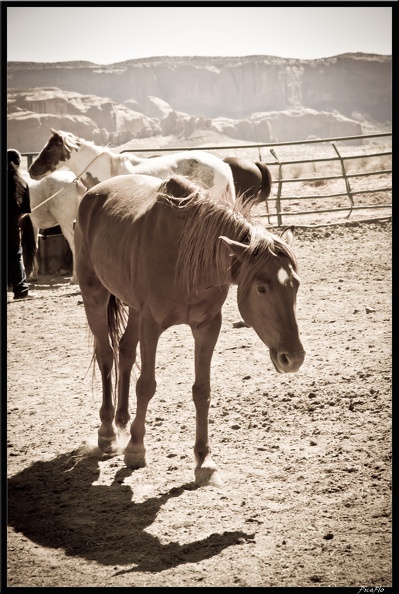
(16, 272)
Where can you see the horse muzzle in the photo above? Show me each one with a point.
(286, 362)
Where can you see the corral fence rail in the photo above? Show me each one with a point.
(281, 163)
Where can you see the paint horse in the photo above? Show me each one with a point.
(252, 179)
(92, 164)
(54, 201)
(202, 246)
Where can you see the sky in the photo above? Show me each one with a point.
(105, 35)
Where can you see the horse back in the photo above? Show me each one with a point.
(127, 240)
(200, 166)
(117, 221)
(117, 200)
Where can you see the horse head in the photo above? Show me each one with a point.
(266, 273)
(55, 154)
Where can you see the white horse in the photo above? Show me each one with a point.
(93, 164)
(54, 200)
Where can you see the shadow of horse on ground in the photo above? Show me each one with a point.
(55, 505)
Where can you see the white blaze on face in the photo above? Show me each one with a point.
(284, 277)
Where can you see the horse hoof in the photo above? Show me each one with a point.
(207, 474)
(207, 477)
(135, 460)
(107, 445)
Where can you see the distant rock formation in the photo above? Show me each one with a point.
(253, 98)
(32, 112)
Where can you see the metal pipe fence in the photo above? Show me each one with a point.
(280, 206)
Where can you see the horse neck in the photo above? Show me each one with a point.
(84, 158)
(94, 164)
(203, 255)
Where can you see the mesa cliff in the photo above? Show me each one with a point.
(252, 98)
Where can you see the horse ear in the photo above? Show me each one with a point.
(287, 235)
(237, 249)
(54, 132)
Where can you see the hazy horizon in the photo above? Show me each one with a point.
(122, 33)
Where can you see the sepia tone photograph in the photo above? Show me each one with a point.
(198, 326)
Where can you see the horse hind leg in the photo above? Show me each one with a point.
(135, 452)
(96, 299)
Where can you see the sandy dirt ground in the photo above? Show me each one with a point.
(305, 459)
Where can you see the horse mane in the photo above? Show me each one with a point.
(202, 251)
(73, 142)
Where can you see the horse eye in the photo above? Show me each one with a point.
(261, 289)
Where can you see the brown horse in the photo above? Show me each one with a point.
(151, 255)
(251, 179)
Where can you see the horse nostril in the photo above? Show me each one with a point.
(283, 360)
(290, 362)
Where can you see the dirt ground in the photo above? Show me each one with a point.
(305, 459)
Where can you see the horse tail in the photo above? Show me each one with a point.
(28, 242)
(266, 188)
(117, 319)
(266, 180)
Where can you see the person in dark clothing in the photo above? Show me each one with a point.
(18, 207)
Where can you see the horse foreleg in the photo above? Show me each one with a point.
(135, 453)
(68, 233)
(205, 338)
(127, 357)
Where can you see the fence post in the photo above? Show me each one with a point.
(279, 189)
(347, 184)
